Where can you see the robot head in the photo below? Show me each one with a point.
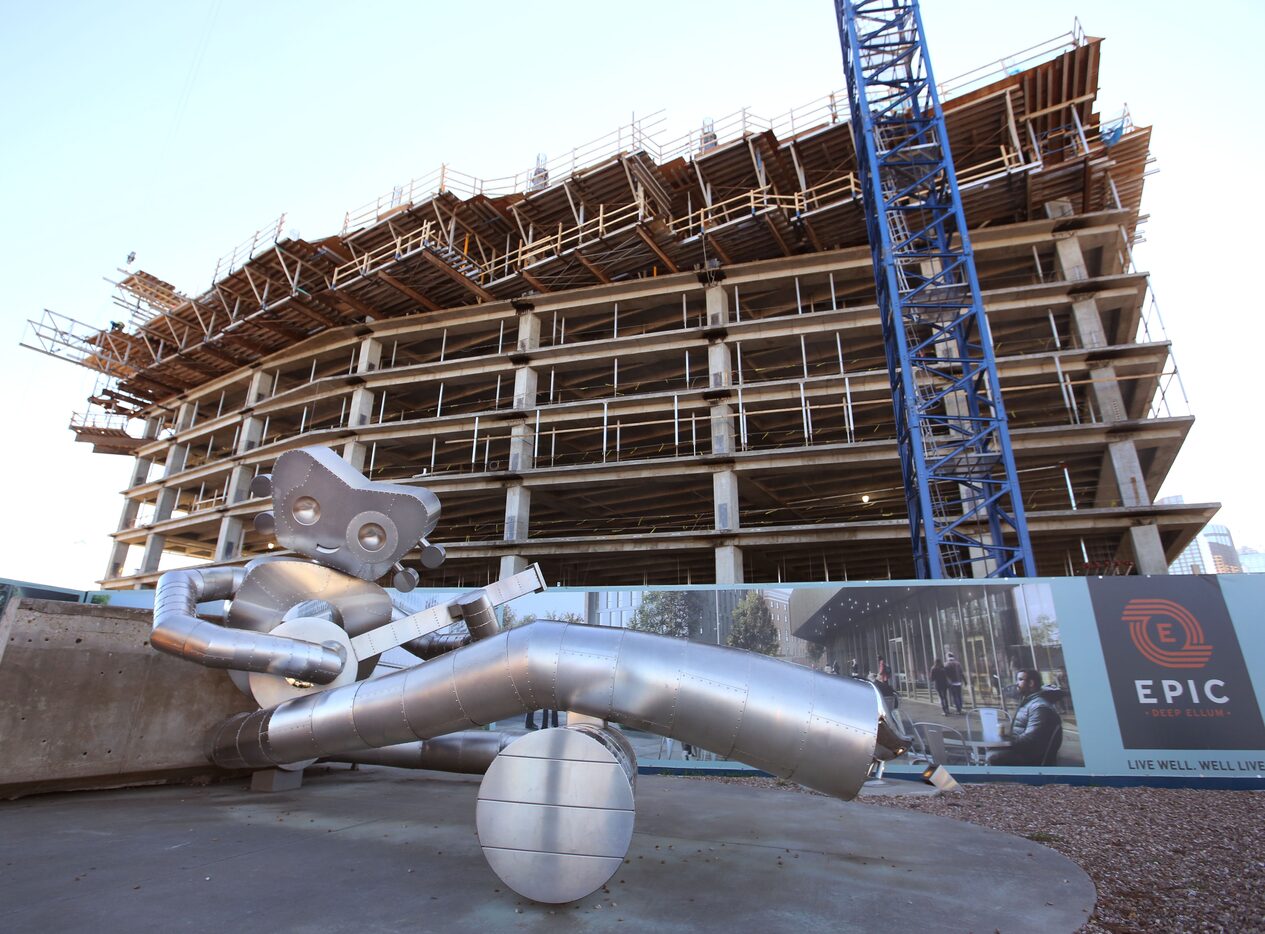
(327, 510)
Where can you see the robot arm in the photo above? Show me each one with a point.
(179, 631)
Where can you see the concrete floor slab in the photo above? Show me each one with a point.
(386, 850)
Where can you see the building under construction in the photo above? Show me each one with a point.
(660, 362)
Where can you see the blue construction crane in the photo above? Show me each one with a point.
(965, 510)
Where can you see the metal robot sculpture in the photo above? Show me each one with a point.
(556, 807)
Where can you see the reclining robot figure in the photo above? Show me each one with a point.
(555, 808)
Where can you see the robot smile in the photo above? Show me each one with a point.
(326, 550)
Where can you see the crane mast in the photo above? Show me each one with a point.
(966, 514)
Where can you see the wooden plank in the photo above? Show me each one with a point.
(407, 291)
(356, 306)
(781, 243)
(312, 312)
(533, 281)
(463, 280)
(593, 268)
(654, 247)
(711, 243)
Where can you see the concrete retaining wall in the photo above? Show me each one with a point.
(85, 702)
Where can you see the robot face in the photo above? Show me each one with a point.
(325, 509)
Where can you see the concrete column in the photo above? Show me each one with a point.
(719, 365)
(728, 564)
(1148, 550)
(1087, 323)
(261, 386)
(525, 383)
(1104, 386)
(239, 485)
(1130, 481)
(512, 564)
(1087, 328)
(228, 545)
(716, 301)
(360, 407)
(251, 434)
(1067, 251)
(725, 510)
(356, 453)
(1070, 265)
(528, 330)
(168, 496)
(186, 415)
(517, 513)
(725, 500)
(177, 456)
(369, 357)
(154, 544)
(522, 447)
(721, 420)
(117, 564)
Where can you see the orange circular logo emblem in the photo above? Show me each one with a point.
(1166, 633)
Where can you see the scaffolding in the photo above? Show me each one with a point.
(662, 361)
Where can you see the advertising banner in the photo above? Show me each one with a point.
(1102, 678)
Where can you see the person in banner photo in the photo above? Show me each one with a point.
(939, 678)
(1036, 730)
(953, 668)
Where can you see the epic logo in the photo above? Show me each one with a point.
(1166, 633)
(1178, 677)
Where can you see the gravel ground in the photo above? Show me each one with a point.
(1162, 859)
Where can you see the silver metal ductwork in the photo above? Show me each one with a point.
(468, 752)
(178, 631)
(813, 728)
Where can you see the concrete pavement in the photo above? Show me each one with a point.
(385, 850)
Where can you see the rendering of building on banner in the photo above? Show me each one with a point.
(656, 361)
(950, 654)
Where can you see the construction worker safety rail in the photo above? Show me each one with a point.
(1010, 64)
(484, 269)
(631, 137)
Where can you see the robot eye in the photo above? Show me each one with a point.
(371, 536)
(306, 510)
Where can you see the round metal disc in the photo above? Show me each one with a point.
(555, 815)
(270, 690)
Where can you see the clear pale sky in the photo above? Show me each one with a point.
(176, 129)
